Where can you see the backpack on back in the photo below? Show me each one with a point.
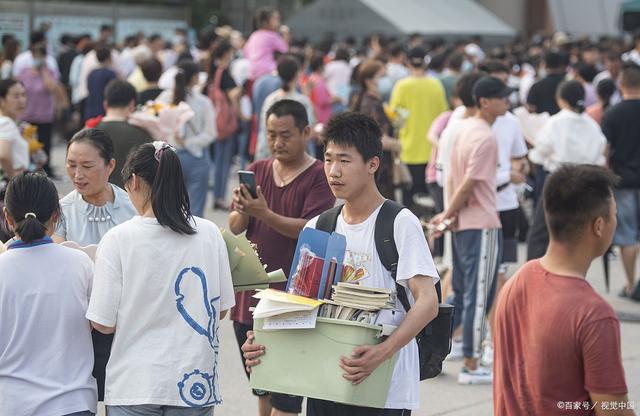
(226, 119)
(434, 340)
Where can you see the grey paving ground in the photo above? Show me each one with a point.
(439, 396)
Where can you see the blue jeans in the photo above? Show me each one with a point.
(223, 156)
(628, 216)
(476, 257)
(155, 410)
(196, 177)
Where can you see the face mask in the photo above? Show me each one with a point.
(466, 66)
(37, 62)
(178, 40)
(385, 85)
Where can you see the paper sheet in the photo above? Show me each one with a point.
(292, 320)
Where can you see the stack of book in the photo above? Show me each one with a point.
(358, 303)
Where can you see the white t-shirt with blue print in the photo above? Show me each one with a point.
(163, 292)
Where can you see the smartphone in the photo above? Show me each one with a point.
(248, 178)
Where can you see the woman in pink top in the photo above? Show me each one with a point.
(40, 84)
(264, 43)
(318, 91)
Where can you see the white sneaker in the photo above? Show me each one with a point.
(456, 351)
(487, 355)
(481, 375)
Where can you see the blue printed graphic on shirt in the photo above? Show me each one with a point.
(198, 388)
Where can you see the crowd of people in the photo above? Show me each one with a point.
(532, 141)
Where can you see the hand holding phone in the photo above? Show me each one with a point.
(248, 179)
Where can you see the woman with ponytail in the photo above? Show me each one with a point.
(44, 294)
(162, 283)
(570, 136)
(605, 90)
(369, 102)
(193, 142)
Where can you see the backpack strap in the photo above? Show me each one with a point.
(387, 249)
(328, 220)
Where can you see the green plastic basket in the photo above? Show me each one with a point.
(305, 362)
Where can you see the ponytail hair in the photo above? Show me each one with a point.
(187, 69)
(605, 90)
(158, 165)
(366, 70)
(31, 200)
(573, 93)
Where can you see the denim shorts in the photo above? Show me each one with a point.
(628, 216)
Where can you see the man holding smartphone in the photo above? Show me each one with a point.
(291, 188)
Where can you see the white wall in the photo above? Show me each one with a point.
(586, 17)
(512, 12)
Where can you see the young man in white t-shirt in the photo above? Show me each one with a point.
(352, 158)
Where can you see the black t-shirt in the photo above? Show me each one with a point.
(543, 94)
(64, 64)
(226, 80)
(125, 137)
(148, 95)
(621, 126)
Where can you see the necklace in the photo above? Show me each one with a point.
(283, 181)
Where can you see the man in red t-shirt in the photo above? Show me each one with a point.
(291, 189)
(557, 342)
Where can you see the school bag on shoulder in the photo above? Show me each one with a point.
(434, 340)
(226, 120)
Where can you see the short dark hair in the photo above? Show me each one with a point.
(263, 15)
(103, 53)
(316, 62)
(31, 193)
(356, 130)
(630, 76)
(554, 60)
(97, 138)
(169, 198)
(119, 93)
(455, 61)
(586, 71)
(397, 49)
(151, 69)
(492, 66)
(575, 195)
(342, 54)
(36, 37)
(464, 88)
(106, 28)
(290, 108)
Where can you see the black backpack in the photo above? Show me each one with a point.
(434, 340)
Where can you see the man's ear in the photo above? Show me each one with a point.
(373, 165)
(306, 132)
(598, 226)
